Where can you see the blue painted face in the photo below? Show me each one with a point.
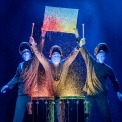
(56, 58)
(26, 56)
(101, 56)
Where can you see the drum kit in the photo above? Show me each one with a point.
(61, 109)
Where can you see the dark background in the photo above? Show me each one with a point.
(102, 21)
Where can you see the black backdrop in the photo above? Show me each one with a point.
(102, 21)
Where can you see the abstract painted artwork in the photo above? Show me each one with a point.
(60, 19)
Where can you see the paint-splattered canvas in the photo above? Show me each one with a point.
(60, 19)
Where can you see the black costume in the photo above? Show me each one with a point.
(95, 88)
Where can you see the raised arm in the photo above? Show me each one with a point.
(38, 53)
(74, 53)
(81, 42)
(85, 54)
(71, 57)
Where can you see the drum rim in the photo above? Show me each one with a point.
(72, 97)
(42, 98)
(61, 97)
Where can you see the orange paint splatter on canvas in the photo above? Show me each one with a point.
(51, 23)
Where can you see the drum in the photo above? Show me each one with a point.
(70, 109)
(61, 109)
(43, 109)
